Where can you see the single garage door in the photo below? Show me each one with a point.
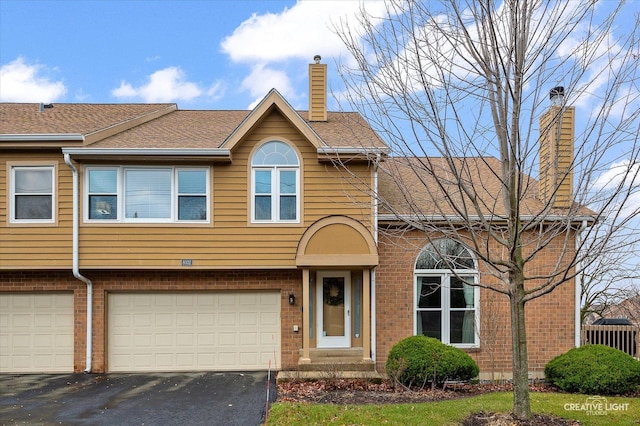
(36, 333)
(193, 331)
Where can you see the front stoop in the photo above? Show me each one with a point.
(333, 364)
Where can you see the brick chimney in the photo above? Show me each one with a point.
(556, 151)
(317, 90)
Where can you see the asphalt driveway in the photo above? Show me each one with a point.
(136, 399)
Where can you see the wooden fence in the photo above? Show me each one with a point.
(623, 337)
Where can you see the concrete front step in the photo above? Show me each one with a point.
(338, 365)
(321, 355)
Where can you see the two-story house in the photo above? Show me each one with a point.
(148, 238)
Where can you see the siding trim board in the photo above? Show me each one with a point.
(273, 100)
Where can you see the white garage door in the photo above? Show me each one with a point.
(193, 331)
(36, 333)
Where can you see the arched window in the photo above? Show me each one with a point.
(275, 184)
(446, 301)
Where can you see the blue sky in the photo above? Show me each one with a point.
(202, 54)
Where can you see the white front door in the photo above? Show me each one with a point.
(333, 293)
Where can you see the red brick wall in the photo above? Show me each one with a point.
(550, 319)
(286, 281)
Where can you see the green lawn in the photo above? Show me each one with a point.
(451, 412)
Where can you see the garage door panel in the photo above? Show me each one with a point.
(250, 338)
(248, 318)
(269, 318)
(36, 332)
(206, 340)
(227, 319)
(194, 331)
(206, 319)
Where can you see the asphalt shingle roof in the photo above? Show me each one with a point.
(19, 118)
(180, 129)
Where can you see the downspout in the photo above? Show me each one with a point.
(373, 272)
(76, 268)
(578, 287)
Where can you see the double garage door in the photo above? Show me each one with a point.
(145, 332)
(193, 331)
(36, 332)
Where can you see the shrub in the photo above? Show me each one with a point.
(418, 360)
(594, 369)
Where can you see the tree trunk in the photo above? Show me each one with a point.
(521, 404)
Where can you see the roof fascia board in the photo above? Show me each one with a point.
(113, 129)
(410, 219)
(273, 98)
(349, 153)
(160, 154)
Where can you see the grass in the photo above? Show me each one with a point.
(452, 412)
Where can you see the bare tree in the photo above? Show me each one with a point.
(457, 88)
(608, 281)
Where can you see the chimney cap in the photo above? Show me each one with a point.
(317, 59)
(556, 96)
(556, 91)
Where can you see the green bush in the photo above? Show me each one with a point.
(418, 360)
(594, 369)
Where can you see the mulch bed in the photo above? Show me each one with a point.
(343, 391)
(351, 392)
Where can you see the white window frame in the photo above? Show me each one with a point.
(121, 198)
(445, 309)
(48, 167)
(275, 193)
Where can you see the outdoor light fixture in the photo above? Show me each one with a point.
(292, 299)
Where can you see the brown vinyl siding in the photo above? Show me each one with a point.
(35, 245)
(229, 240)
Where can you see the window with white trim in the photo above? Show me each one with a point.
(446, 299)
(275, 184)
(32, 194)
(147, 194)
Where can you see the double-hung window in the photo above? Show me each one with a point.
(148, 194)
(275, 184)
(32, 194)
(446, 302)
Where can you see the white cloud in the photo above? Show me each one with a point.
(216, 91)
(262, 79)
(297, 33)
(21, 82)
(268, 38)
(166, 85)
(618, 173)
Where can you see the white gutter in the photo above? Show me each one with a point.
(216, 152)
(348, 150)
(578, 299)
(373, 273)
(76, 269)
(41, 137)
